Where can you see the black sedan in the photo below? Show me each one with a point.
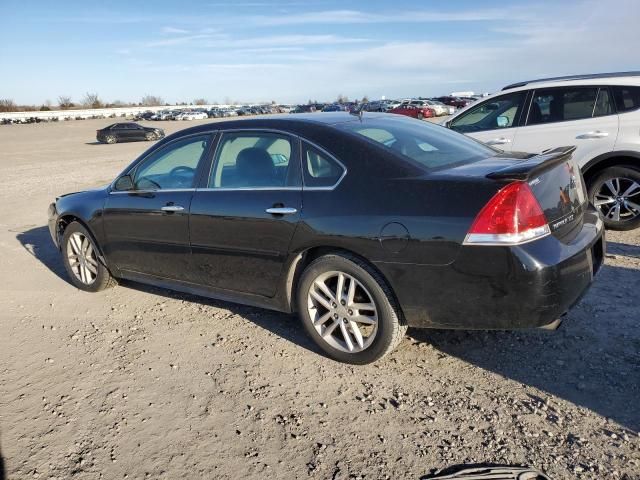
(363, 225)
(128, 132)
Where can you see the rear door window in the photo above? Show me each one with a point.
(626, 98)
(562, 104)
(253, 160)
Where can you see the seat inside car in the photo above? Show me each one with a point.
(535, 115)
(254, 167)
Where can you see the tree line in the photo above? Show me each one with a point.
(90, 100)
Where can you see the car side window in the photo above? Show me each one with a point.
(499, 112)
(603, 103)
(173, 166)
(626, 98)
(253, 160)
(319, 169)
(562, 104)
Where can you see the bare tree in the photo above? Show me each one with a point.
(342, 99)
(365, 99)
(151, 101)
(64, 102)
(7, 105)
(200, 101)
(91, 100)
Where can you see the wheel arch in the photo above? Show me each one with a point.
(302, 259)
(622, 158)
(65, 220)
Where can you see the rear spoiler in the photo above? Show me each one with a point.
(533, 166)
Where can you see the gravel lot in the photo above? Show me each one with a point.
(140, 383)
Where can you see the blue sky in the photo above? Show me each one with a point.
(295, 50)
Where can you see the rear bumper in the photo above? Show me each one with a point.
(526, 286)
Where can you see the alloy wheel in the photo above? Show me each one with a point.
(618, 199)
(342, 311)
(82, 258)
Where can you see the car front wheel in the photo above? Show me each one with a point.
(82, 262)
(348, 309)
(615, 192)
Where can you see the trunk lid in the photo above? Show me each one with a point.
(556, 182)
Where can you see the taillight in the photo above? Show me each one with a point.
(513, 216)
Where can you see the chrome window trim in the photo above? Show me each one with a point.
(248, 189)
(332, 157)
(136, 192)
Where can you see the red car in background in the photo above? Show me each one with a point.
(415, 111)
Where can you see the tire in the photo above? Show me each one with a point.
(615, 192)
(372, 341)
(95, 276)
(150, 136)
(111, 139)
(420, 116)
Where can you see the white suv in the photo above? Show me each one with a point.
(599, 114)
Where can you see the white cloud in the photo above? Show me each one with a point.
(172, 30)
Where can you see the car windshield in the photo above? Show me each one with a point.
(432, 146)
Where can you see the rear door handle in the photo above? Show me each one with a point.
(172, 208)
(499, 141)
(595, 134)
(281, 210)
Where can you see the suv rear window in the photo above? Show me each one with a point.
(431, 146)
(562, 104)
(626, 98)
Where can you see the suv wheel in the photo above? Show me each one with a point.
(80, 257)
(348, 310)
(615, 192)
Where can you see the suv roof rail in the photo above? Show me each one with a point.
(587, 76)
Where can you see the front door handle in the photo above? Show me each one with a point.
(281, 210)
(172, 208)
(499, 141)
(594, 134)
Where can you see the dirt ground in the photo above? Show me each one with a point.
(138, 382)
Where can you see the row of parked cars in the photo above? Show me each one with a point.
(215, 112)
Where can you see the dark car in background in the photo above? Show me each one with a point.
(128, 132)
(453, 101)
(362, 224)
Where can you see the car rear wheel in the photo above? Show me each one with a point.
(348, 309)
(82, 262)
(110, 139)
(616, 194)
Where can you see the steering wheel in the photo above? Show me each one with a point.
(182, 168)
(148, 180)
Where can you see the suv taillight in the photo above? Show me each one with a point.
(513, 216)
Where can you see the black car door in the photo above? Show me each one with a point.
(245, 213)
(147, 226)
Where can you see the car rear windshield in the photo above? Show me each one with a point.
(431, 146)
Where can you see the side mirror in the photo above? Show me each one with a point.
(502, 121)
(124, 183)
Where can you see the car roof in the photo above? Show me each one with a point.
(614, 78)
(280, 121)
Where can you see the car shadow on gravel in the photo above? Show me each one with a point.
(37, 241)
(286, 326)
(616, 248)
(592, 360)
